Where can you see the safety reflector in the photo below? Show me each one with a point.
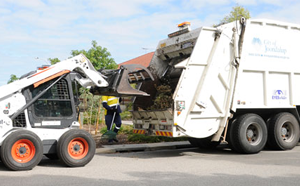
(138, 131)
(50, 77)
(161, 133)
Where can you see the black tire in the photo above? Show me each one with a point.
(203, 143)
(76, 148)
(21, 150)
(283, 131)
(230, 140)
(249, 134)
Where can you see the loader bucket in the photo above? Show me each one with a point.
(120, 81)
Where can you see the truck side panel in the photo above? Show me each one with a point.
(205, 86)
(270, 66)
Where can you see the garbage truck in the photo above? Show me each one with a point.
(236, 83)
(39, 112)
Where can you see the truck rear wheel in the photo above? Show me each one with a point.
(76, 148)
(230, 141)
(249, 134)
(21, 150)
(283, 131)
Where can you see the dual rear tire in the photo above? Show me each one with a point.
(283, 131)
(249, 133)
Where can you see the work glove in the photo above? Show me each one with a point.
(114, 109)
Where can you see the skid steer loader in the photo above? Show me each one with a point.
(39, 112)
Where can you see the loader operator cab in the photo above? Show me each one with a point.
(56, 108)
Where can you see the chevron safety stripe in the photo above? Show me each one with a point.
(161, 133)
(138, 131)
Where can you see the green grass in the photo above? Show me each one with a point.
(125, 129)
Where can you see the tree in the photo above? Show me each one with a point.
(236, 13)
(99, 57)
(53, 60)
(12, 78)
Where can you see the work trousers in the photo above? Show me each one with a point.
(109, 121)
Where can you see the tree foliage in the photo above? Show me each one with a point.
(236, 13)
(99, 56)
(12, 78)
(53, 60)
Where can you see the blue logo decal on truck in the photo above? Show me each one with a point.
(256, 42)
(268, 48)
(279, 94)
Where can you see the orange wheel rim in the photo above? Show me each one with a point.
(78, 148)
(23, 151)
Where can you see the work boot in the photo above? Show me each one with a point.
(116, 130)
(110, 141)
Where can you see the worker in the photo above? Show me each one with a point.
(112, 114)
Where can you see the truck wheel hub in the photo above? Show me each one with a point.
(284, 131)
(22, 150)
(76, 148)
(250, 133)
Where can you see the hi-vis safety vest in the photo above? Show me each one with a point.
(111, 101)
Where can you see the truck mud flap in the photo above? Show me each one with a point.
(120, 81)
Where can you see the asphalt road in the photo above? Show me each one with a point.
(167, 167)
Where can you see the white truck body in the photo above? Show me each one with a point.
(227, 70)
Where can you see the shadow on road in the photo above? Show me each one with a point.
(45, 162)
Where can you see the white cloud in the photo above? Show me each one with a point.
(117, 8)
(32, 4)
(246, 2)
(52, 28)
(196, 4)
(278, 3)
(124, 9)
(4, 11)
(273, 2)
(287, 13)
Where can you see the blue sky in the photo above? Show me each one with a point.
(52, 28)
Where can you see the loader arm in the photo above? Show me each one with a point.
(105, 82)
(80, 64)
